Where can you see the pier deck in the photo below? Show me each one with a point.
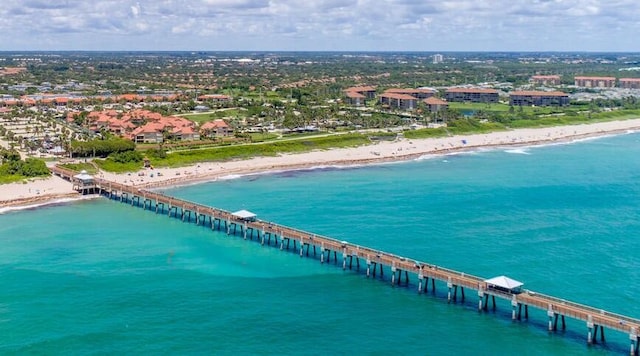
(594, 318)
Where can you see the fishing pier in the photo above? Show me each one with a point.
(372, 262)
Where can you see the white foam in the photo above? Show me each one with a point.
(45, 203)
(519, 151)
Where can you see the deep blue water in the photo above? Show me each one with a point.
(97, 277)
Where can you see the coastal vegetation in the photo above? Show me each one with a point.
(101, 147)
(13, 169)
(128, 163)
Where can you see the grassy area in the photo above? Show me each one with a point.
(78, 167)
(12, 178)
(479, 106)
(210, 116)
(458, 127)
(262, 137)
(226, 153)
(576, 119)
(503, 108)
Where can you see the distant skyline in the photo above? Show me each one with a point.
(320, 25)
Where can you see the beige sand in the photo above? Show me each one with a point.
(401, 149)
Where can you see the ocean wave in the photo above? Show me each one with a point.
(36, 205)
(519, 151)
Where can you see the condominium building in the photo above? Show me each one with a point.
(595, 82)
(434, 104)
(472, 95)
(545, 79)
(538, 98)
(420, 93)
(358, 96)
(399, 101)
(630, 83)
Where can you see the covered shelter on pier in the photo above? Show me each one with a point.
(504, 284)
(244, 215)
(84, 182)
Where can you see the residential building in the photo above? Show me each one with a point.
(216, 128)
(369, 92)
(216, 98)
(438, 58)
(149, 133)
(545, 79)
(630, 83)
(420, 93)
(435, 104)
(399, 101)
(538, 98)
(471, 95)
(354, 98)
(595, 82)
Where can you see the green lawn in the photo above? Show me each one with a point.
(502, 108)
(78, 167)
(212, 115)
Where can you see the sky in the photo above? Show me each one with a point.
(320, 25)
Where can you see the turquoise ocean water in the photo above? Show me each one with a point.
(101, 277)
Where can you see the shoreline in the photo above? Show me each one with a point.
(49, 190)
(331, 159)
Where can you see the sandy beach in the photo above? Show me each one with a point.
(41, 190)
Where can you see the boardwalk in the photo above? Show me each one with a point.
(596, 320)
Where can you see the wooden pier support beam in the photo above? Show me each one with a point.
(550, 314)
(590, 330)
(368, 266)
(481, 297)
(393, 273)
(633, 337)
(344, 258)
(449, 285)
(420, 280)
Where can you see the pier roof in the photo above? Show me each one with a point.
(83, 176)
(504, 282)
(244, 215)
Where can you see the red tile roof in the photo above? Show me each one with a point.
(595, 78)
(472, 90)
(435, 101)
(397, 96)
(219, 123)
(408, 91)
(538, 93)
(354, 95)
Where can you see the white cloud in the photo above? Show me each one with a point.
(320, 24)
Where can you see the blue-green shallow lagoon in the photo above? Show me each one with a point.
(98, 277)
